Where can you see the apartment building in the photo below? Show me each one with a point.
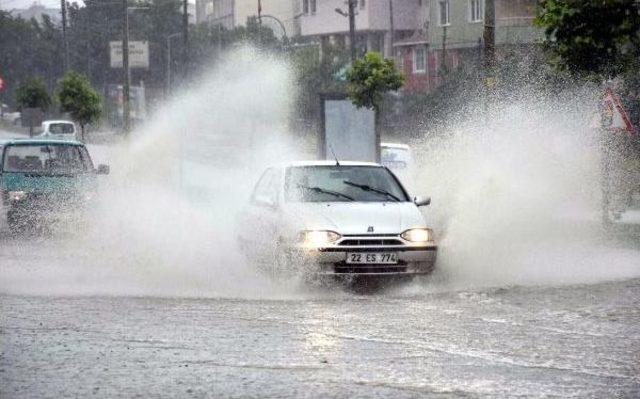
(453, 30)
(326, 20)
(280, 15)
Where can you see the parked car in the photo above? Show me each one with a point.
(59, 129)
(395, 156)
(12, 117)
(43, 180)
(346, 219)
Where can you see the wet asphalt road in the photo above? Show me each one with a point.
(571, 341)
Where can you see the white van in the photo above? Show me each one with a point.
(395, 156)
(59, 129)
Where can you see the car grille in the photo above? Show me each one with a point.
(368, 241)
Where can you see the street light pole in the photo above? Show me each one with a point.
(168, 82)
(352, 29)
(185, 38)
(285, 38)
(125, 70)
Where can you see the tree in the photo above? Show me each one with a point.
(33, 94)
(78, 98)
(315, 74)
(28, 48)
(369, 78)
(591, 37)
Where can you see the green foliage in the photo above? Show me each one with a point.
(209, 40)
(33, 93)
(79, 99)
(316, 75)
(94, 25)
(29, 48)
(369, 78)
(591, 37)
(461, 92)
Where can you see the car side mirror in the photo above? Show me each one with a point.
(103, 169)
(422, 201)
(265, 201)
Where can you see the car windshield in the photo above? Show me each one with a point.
(61, 128)
(53, 159)
(342, 183)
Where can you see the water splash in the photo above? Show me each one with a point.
(517, 195)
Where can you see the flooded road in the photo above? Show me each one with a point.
(569, 341)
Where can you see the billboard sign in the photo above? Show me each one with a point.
(347, 131)
(138, 54)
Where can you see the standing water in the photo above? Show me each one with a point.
(515, 196)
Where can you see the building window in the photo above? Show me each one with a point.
(443, 13)
(312, 4)
(476, 10)
(400, 60)
(419, 59)
(305, 6)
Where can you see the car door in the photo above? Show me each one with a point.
(259, 228)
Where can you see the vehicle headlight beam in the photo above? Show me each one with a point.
(317, 238)
(16, 195)
(418, 235)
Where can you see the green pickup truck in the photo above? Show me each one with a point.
(45, 179)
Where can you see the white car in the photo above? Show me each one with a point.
(58, 129)
(336, 219)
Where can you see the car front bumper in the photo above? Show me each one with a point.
(333, 261)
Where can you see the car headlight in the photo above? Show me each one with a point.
(318, 238)
(17, 195)
(418, 235)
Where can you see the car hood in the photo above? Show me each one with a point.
(356, 218)
(29, 182)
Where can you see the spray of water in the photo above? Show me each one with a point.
(516, 191)
(166, 220)
(516, 196)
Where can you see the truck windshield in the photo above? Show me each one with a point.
(342, 183)
(51, 159)
(61, 128)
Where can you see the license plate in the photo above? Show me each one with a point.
(365, 258)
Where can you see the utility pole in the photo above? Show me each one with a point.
(489, 60)
(259, 23)
(489, 36)
(352, 29)
(391, 29)
(444, 49)
(185, 38)
(65, 43)
(125, 69)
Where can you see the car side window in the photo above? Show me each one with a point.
(274, 185)
(86, 159)
(264, 187)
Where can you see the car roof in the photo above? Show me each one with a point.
(38, 141)
(395, 145)
(56, 121)
(329, 163)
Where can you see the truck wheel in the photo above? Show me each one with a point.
(13, 220)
